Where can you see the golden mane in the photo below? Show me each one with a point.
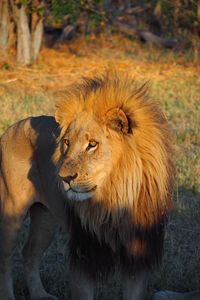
(142, 180)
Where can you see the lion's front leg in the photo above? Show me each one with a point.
(134, 287)
(7, 243)
(82, 288)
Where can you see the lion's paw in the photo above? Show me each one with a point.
(46, 297)
(163, 295)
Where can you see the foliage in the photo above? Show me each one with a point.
(60, 8)
(181, 14)
(176, 15)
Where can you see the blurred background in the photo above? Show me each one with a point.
(47, 45)
(26, 24)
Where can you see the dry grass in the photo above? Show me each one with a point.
(175, 83)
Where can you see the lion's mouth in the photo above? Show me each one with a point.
(68, 187)
(79, 193)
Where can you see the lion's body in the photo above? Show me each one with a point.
(27, 176)
(110, 165)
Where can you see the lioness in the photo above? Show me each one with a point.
(105, 172)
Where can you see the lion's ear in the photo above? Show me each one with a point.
(117, 120)
(58, 116)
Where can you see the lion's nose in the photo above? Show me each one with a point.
(69, 178)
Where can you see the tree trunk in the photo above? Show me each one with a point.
(4, 24)
(23, 33)
(107, 17)
(23, 37)
(36, 31)
(29, 30)
(177, 6)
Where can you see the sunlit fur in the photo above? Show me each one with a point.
(141, 177)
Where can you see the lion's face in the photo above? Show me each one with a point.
(86, 159)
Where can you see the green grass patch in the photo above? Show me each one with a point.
(181, 102)
(17, 106)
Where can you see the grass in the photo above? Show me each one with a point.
(181, 102)
(175, 83)
(16, 106)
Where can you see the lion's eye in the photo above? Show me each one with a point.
(66, 142)
(92, 145)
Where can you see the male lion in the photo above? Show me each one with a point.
(106, 172)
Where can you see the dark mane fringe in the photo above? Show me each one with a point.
(101, 255)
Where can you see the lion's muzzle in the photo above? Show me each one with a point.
(76, 192)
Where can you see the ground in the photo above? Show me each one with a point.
(174, 81)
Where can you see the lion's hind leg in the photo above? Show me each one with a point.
(10, 224)
(40, 235)
(8, 234)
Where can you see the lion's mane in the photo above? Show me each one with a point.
(126, 224)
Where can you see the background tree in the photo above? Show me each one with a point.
(23, 19)
(4, 24)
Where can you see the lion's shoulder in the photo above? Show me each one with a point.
(42, 129)
(43, 132)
